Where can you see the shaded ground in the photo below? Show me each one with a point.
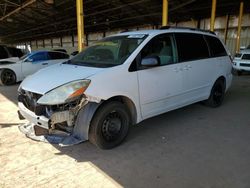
(191, 147)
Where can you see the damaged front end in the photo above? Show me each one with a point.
(66, 123)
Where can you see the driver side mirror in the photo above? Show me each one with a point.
(150, 61)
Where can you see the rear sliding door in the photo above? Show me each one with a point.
(197, 67)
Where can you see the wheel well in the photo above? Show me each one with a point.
(128, 103)
(3, 69)
(222, 78)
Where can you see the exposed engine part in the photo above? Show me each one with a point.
(93, 99)
(59, 117)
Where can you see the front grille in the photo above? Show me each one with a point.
(244, 64)
(29, 99)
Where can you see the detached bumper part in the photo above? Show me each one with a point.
(60, 139)
(20, 116)
(41, 121)
(40, 128)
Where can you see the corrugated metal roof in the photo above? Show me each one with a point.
(41, 19)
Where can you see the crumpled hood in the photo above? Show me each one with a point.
(56, 75)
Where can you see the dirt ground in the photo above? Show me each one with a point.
(191, 147)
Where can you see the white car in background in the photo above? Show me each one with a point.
(241, 61)
(15, 70)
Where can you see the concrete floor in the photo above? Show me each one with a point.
(195, 146)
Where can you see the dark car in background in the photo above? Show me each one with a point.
(9, 52)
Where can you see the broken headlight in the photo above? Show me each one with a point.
(65, 93)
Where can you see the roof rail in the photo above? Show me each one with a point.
(188, 28)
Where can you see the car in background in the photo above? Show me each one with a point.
(10, 53)
(241, 61)
(15, 71)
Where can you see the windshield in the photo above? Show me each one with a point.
(109, 51)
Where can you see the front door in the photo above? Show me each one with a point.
(35, 62)
(160, 86)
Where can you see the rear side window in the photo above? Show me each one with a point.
(3, 53)
(216, 47)
(58, 55)
(191, 46)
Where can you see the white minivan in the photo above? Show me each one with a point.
(124, 79)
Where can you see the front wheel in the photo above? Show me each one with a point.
(7, 77)
(217, 94)
(110, 125)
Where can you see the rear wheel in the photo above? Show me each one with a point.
(110, 125)
(7, 77)
(217, 94)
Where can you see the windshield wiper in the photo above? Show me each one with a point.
(88, 64)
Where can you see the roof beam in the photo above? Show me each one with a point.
(10, 2)
(27, 3)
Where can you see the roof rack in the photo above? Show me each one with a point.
(188, 28)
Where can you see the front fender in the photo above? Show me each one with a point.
(83, 120)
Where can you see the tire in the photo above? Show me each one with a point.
(110, 125)
(217, 94)
(7, 77)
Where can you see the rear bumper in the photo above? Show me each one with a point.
(40, 121)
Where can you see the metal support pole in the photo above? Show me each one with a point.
(73, 39)
(226, 28)
(239, 27)
(213, 12)
(51, 42)
(164, 12)
(80, 24)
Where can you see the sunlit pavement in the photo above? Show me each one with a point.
(191, 147)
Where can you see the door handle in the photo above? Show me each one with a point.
(44, 63)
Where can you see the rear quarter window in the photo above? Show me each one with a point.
(215, 46)
(191, 46)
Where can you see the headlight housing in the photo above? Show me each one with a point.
(65, 93)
